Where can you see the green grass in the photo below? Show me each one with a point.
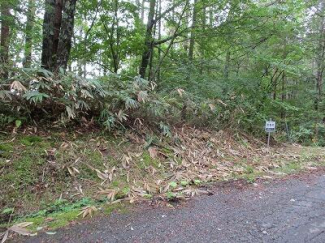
(71, 213)
(63, 219)
(31, 140)
(119, 207)
(289, 168)
(6, 149)
(33, 177)
(147, 161)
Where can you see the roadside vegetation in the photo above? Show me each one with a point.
(55, 178)
(102, 107)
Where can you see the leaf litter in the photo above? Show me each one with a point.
(19, 228)
(198, 155)
(173, 170)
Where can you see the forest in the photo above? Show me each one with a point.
(208, 63)
(104, 103)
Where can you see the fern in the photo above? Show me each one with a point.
(35, 96)
(131, 103)
(165, 129)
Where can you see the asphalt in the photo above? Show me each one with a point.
(286, 210)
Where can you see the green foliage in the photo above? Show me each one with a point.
(184, 183)
(228, 64)
(112, 100)
(8, 211)
(173, 184)
(170, 195)
(197, 182)
(30, 140)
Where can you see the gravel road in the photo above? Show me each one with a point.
(286, 210)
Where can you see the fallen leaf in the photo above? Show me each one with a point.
(153, 152)
(89, 210)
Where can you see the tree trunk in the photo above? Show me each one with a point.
(320, 55)
(115, 29)
(159, 37)
(5, 37)
(204, 41)
(148, 40)
(151, 59)
(29, 34)
(283, 93)
(192, 39)
(320, 61)
(66, 34)
(227, 65)
(57, 33)
(51, 30)
(211, 13)
(80, 60)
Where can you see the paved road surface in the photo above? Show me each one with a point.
(290, 210)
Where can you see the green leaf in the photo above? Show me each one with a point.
(18, 123)
(173, 184)
(8, 211)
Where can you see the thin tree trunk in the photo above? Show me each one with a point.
(320, 55)
(115, 53)
(211, 12)
(80, 60)
(5, 37)
(284, 79)
(320, 63)
(283, 93)
(186, 23)
(29, 33)
(159, 37)
(192, 39)
(114, 43)
(274, 82)
(151, 59)
(227, 65)
(148, 40)
(172, 40)
(203, 42)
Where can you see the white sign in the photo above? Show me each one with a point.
(270, 126)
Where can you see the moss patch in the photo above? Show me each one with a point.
(5, 150)
(62, 219)
(147, 161)
(30, 140)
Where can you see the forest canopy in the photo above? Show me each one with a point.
(219, 64)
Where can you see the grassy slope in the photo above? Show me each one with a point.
(48, 177)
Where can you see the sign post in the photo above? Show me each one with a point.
(269, 127)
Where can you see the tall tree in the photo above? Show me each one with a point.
(320, 52)
(5, 37)
(148, 48)
(66, 34)
(51, 30)
(192, 38)
(150, 42)
(29, 33)
(57, 33)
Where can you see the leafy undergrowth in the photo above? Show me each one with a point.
(53, 178)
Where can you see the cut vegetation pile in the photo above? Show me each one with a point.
(42, 174)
